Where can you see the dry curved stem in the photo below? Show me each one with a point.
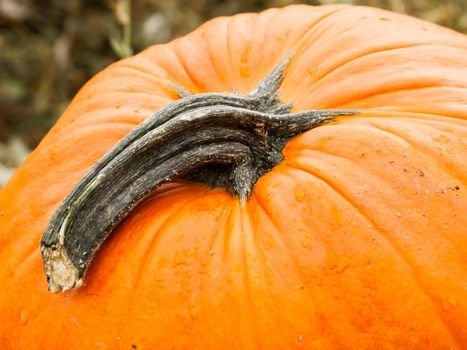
(221, 139)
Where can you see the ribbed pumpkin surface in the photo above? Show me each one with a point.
(357, 240)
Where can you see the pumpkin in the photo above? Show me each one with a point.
(330, 213)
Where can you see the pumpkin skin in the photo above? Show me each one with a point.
(356, 240)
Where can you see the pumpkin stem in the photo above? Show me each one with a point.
(221, 139)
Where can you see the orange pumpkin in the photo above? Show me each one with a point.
(356, 239)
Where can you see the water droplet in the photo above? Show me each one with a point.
(453, 301)
(300, 194)
(399, 215)
(24, 317)
(245, 71)
(236, 268)
(244, 57)
(2, 213)
(300, 338)
(180, 260)
(194, 312)
(74, 320)
(445, 305)
(342, 266)
(312, 72)
(211, 252)
(308, 235)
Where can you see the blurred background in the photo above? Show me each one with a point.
(50, 48)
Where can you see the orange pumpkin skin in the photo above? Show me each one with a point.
(357, 240)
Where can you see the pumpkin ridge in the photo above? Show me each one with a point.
(229, 35)
(149, 92)
(402, 46)
(215, 67)
(222, 24)
(254, 232)
(129, 119)
(184, 67)
(439, 122)
(127, 125)
(247, 230)
(391, 135)
(225, 229)
(420, 117)
(393, 109)
(220, 237)
(278, 236)
(413, 268)
(317, 308)
(145, 55)
(256, 201)
(299, 46)
(132, 92)
(458, 177)
(144, 74)
(225, 213)
(233, 230)
(259, 25)
(299, 157)
(415, 86)
(430, 71)
(157, 235)
(156, 56)
(26, 262)
(27, 250)
(89, 115)
(307, 153)
(151, 249)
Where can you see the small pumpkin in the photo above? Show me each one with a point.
(325, 208)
